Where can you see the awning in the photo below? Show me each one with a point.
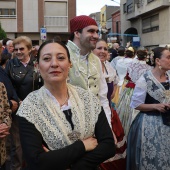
(116, 34)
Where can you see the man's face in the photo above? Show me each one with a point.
(89, 36)
(10, 48)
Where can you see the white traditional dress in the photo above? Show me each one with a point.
(121, 68)
(126, 114)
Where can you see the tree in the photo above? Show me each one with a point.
(2, 33)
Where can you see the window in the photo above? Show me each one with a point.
(12, 12)
(130, 8)
(124, 8)
(150, 1)
(55, 9)
(150, 24)
(7, 12)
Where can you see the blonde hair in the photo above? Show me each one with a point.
(23, 39)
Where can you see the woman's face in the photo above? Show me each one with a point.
(21, 51)
(54, 64)
(164, 61)
(101, 50)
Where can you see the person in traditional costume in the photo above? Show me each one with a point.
(118, 162)
(62, 126)
(121, 54)
(149, 135)
(121, 68)
(110, 74)
(87, 70)
(134, 70)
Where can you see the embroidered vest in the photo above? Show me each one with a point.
(84, 73)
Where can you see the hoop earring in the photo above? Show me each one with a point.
(71, 65)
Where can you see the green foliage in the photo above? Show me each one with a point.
(2, 33)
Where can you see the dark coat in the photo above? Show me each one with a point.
(24, 79)
(11, 93)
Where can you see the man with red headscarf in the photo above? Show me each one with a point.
(86, 70)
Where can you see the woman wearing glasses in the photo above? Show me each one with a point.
(25, 79)
(21, 69)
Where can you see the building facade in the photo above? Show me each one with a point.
(26, 17)
(149, 19)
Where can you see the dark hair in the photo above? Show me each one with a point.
(49, 42)
(4, 58)
(141, 54)
(129, 53)
(4, 41)
(71, 38)
(157, 53)
(57, 38)
(121, 51)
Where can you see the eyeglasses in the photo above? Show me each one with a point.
(20, 49)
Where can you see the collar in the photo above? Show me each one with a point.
(76, 49)
(25, 63)
(73, 47)
(64, 107)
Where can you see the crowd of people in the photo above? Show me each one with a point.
(74, 106)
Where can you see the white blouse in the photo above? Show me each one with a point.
(110, 73)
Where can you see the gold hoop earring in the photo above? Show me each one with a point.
(71, 65)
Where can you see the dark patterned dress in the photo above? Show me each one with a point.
(148, 145)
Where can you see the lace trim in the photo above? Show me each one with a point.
(136, 69)
(154, 88)
(121, 143)
(116, 157)
(39, 109)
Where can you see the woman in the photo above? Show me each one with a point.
(134, 70)
(62, 118)
(121, 54)
(148, 138)
(121, 68)
(21, 69)
(110, 75)
(118, 161)
(25, 79)
(5, 123)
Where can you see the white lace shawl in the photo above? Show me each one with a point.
(136, 68)
(39, 109)
(153, 87)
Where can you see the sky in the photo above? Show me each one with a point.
(86, 7)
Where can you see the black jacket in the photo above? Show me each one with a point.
(11, 93)
(24, 79)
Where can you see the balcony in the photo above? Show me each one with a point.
(147, 6)
(7, 16)
(56, 23)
